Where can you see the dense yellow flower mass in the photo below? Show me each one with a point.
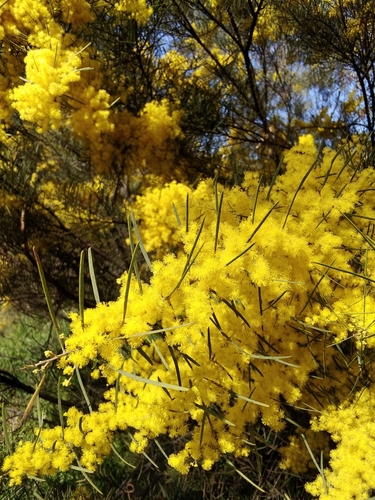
(36, 459)
(49, 73)
(352, 427)
(57, 79)
(267, 301)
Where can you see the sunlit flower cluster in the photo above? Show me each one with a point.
(138, 10)
(267, 301)
(36, 459)
(352, 428)
(59, 82)
(49, 73)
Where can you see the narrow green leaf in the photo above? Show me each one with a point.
(81, 469)
(365, 289)
(202, 429)
(218, 215)
(187, 214)
(151, 382)
(144, 454)
(276, 359)
(5, 429)
(81, 288)
(345, 271)
(300, 186)
(160, 448)
(215, 321)
(117, 390)
(236, 311)
(92, 277)
(215, 413)
(255, 451)
(83, 48)
(4, 3)
(150, 460)
(263, 340)
(114, 102)
(145, 355)
(247, 442)
(215, 192)
(85, 473)
(34, 478)
(176, 215)
(341, 190)
(189, 358)
(39, 412)
(328, 173)
(166, 390)
(240, 255)
(187, 362)
(175, 364)
(274, 177)
(350, 158)
(48, 298)
(190, 260)
(33, 399)
(141, 245)
(187, 270)
(209, 343)
(162, 359)
(59, 405)
(37, 496)
(80, 427)
(245, 477)
(128, 281)
(37, 438)
(136, 270)
(251, 400)
(363, 216)
(273, 302)
(364, 236)
(320, 470)
(256, 199)
(161, 330)
(293, 422)
(120, 457)
(261, 222)
(194, 245)
(260, 300)
(83, 389)
(310, 295)
(322, 461)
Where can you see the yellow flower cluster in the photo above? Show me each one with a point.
(37, 458)
(54, 449)
(138, 10)
(52, 195)
(352, 463)
(49, 73)
(159, 223)
(154, 133)
(271, 285)
(61, 81)
(77, 12)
